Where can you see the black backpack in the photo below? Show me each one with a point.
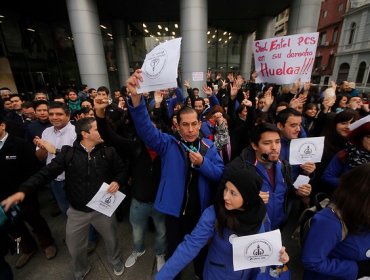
(321, 201)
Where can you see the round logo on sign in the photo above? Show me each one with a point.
(155, 63)
(368, 253)
(108, 199)
(258, 251)
(307, 150)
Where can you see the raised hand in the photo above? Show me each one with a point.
(133, 83)
(224, 84)
(187, 84)
(158, 98)
(233, 91)
(207, 90)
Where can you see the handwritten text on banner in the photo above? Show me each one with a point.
(282, 60)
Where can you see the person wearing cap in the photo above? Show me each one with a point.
(238, 211)
(356, 154)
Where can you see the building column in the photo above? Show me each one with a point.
(193, 26)
(304, 16)
(120, 45)
(246, 52)
(265, 28)
(6, 75)
(88, 43)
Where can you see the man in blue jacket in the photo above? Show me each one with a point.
(263, 157)
(190, 164)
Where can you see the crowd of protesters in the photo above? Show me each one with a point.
(204, 164)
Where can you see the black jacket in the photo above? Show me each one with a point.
(17, 163)
(145, 172)
(84, 173)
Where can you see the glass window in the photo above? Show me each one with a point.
(322, 39)
(343, 72)
(352, 33)
(361, 72)
(335, 35)
(331, 61)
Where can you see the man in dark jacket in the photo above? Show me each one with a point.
(87, 165)
(17, 163)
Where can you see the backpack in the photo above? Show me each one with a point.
(321, 201)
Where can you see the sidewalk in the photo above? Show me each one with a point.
(59, 268)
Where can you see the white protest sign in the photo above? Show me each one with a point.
(257, 250)
(159, 70)
(106, 202)
(308, 149)
(282, 60)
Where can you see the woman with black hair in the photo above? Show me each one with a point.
(336, 132)
(238, 210)
(356, 153)
(338, 242)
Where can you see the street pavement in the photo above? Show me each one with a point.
(60, 268)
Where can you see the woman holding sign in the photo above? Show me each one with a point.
(238, 211)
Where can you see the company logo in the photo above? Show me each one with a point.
(258, 251)
(107, 200)
(307, 150)
(155, 62)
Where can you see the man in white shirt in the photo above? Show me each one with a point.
(61, 133)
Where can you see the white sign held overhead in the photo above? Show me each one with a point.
(159, 70)
(282, 60)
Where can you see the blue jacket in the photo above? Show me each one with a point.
(276, 204)
(334, 170)
(171, 188)
(325, 256)
(219, 262)
(276, 209)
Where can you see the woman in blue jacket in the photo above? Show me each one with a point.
(338, 242)
(355, 154)
(238, 211)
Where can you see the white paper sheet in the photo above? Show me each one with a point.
(301, 180)
(159, 70)
(308, 149)
(105, 202)
(257, 250)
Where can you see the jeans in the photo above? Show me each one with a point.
(139, 214)
(57, 188)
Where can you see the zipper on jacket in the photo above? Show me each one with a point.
(187, 193)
